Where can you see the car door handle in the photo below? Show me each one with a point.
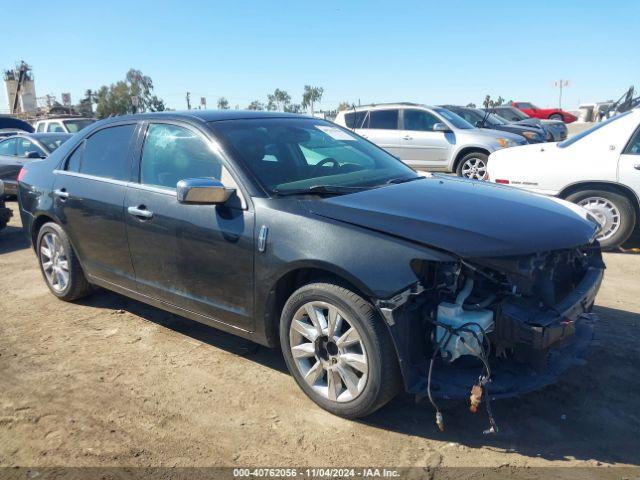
(140, 211)
(407, 137)
(61, 193)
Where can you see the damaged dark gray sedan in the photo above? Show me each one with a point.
(292, 231)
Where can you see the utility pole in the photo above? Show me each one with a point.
(560, 84)
(188, 100)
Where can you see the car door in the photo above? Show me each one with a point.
(381, 128)
(89, 191)
(420, 145)
(629, 163)
(196, 257)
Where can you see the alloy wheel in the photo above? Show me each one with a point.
(328, 351)
(605, 212)
(474, 168)
(54, 261)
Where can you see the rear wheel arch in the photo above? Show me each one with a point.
(37, 224)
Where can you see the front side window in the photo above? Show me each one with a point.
(290, 156)
(40, 127)
(55, 127)
(172, 153)
(24, 146)
(106, 153)
(419, 120)
(8, 147)
(384, 119)
(526, 105)
(456, 120)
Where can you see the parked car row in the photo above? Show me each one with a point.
(430, 138)
(556, 129)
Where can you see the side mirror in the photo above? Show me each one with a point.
(33, 154)
(203, 191)
(441, 127)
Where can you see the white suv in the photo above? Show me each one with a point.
(63, 124)
(599, 169)
(428, 138)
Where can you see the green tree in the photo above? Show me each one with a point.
(256, 105)
(134, 94)
(490, 103)
(278, 100)
(471, 105)
(223, 103)
(293, 108)
(310, 96)
(345, 106)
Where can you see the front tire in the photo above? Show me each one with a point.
(556, 116)
(338, 350)
(473, 165)
(59, 264)
(614, 212)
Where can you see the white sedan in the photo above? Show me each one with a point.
(599, 169)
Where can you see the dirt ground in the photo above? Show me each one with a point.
(111, 382)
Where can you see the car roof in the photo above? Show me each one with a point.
(376, 106)
(208, 115)
(57, 119)
(49, 135)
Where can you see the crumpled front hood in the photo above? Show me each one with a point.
(468, 218)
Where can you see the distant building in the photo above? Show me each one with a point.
(19, 82)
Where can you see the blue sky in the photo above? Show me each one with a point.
(372, 51)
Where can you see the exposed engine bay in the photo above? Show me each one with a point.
(487, 328)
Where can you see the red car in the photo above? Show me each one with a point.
(544, 113)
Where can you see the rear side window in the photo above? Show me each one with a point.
(106, 153)
(357, 119)
(73, 162)
(172, 153)
(384, 119)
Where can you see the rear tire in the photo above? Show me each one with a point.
(473, 165)
(556, 116)
(350, 369)
(612, 209)
(59, 264)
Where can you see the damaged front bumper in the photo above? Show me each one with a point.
(543, 342)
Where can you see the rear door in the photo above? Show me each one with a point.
(196, 257)
(89, 194)
(629, 163)
(420, 146)
(382, 128)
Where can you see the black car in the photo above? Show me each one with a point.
(556, 130)
(292, 231)
(482, 119)
(15, 151)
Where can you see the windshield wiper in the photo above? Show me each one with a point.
(402, 180)
(319, 189)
